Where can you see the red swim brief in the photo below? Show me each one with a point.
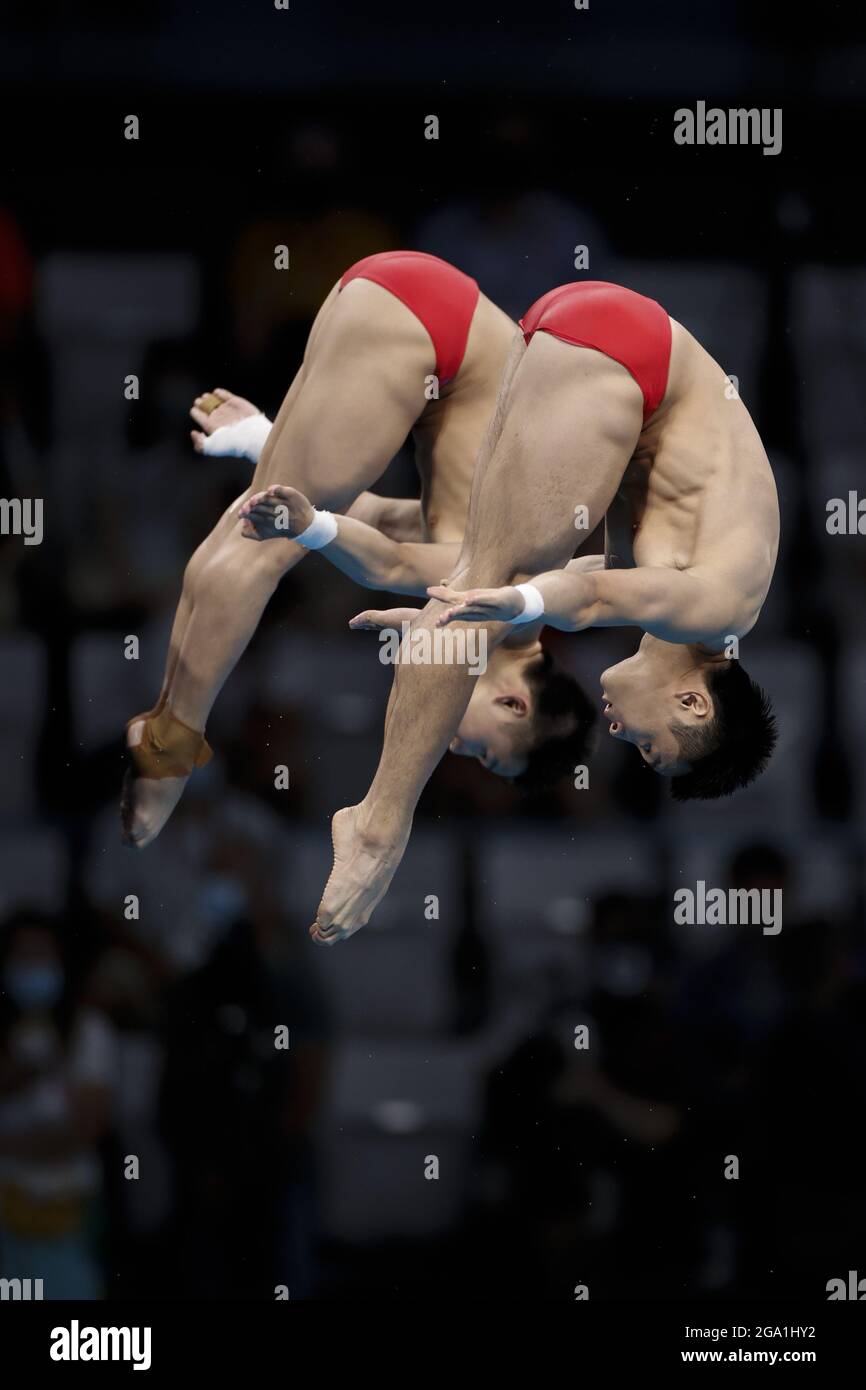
(441, 297)
(633, 330)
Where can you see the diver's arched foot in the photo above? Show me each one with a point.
(162, 753)
(363, 869)
(145, 805)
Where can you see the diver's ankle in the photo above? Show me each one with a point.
(381, 828)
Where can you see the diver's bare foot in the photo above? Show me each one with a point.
(146, 802)
(362, 873)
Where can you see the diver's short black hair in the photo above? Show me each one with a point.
(735, 747)
(563, 726)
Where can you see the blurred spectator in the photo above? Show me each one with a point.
(578, 1135)
(125, 985)
(237, 1108)
(56, 1074)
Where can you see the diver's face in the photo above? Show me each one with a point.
(641, 699)
(492, 730)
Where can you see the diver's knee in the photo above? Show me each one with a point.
(270, 559)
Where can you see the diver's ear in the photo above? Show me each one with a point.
(697, 701)
(517, 704)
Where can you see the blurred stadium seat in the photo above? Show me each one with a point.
(538, 888)
(723, 306)
(828, 322)
(391, 1107)
(336, 678)
(34, 868)
(107, 688)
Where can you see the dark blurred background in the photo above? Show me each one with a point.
(153, 1139)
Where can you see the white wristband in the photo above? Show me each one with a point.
(320, 532)
(244, 439)
(533, 605)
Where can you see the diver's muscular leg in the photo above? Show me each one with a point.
(355, 407)
(567, 428)
(361, 389)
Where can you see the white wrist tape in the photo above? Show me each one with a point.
(533, 605)
(320, 532)
(244, 439)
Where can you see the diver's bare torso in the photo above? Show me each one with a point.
(698, 492)
(450, 431)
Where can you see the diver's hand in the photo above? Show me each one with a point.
(216, 410)
(377, 619)
(278, 513)
(477, 605)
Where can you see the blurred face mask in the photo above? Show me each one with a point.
(33, 986)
